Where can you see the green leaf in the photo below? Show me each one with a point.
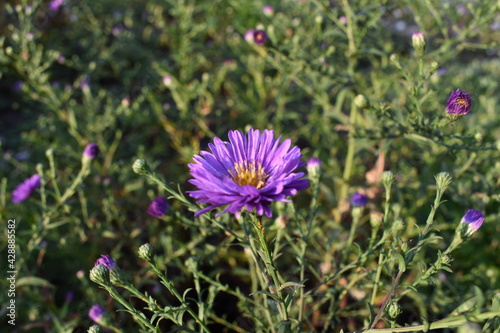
(33, 281)
(273, 296)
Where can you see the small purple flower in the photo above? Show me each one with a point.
(260, 37)
(459, 102)
(17, 86)
(249, 35)
(69, 297)
(54, 5)
(91, 151)
(158, 207)
(268, 10)
(167, 80)
(250, 171)
(96, 312)
(359, 200)
(24, 190)
(474, 220)
(105, 260)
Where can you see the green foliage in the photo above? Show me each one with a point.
(157, 80)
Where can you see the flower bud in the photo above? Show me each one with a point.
(393, 309)
(470, 223)
(418, 41)
(94, 329)
(100, 275)
(140, 167)
(360, 101)
(443, 180)
(146, 252)
(387, 179)
(313, 166)
(376, 218)
(91, 151)
(359, 200)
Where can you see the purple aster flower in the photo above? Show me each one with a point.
(91, 151)
(459, 102)
(250, 171)
(260, 37)
(158, 207)
(96, 312)
(474, 220)
(359, 200)
(54, 5)
(24, 190)
(105, 260)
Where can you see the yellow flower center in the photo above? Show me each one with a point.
(249, 173)
(461, 102)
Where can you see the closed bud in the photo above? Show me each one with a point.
(146, 252)
(394, 58)
(393, 309)
(434, 66)
(100, 275)
(418, 41)
(388, 179)
(443, 180)
(360, 101)
(94, 329)
(376, 218)
(140, 167)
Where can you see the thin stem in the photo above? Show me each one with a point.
(174, 292)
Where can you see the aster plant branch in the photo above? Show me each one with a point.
(270, 268)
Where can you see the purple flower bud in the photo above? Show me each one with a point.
(96, 312)
(459, 103)
(24, 190)
(249, 35)
(268, 10)
(91, 151)
(474, 220)
(260, 37)
(105, 260)
(359, 200)
(158, 207)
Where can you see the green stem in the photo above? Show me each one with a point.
(444, 323)
(271, 269)
(351, 149)
(174, 292)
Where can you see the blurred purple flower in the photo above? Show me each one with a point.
(24, 190)
(158, 207)
(91, 151)
(54, 5)
(69, 297)
(105, 260)
(459, 102)
(359, 200)
(249, 35)
(18, 85)
(260, 37)
(96, 312)
(473, 219)
(250, 171)
(268, 10)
